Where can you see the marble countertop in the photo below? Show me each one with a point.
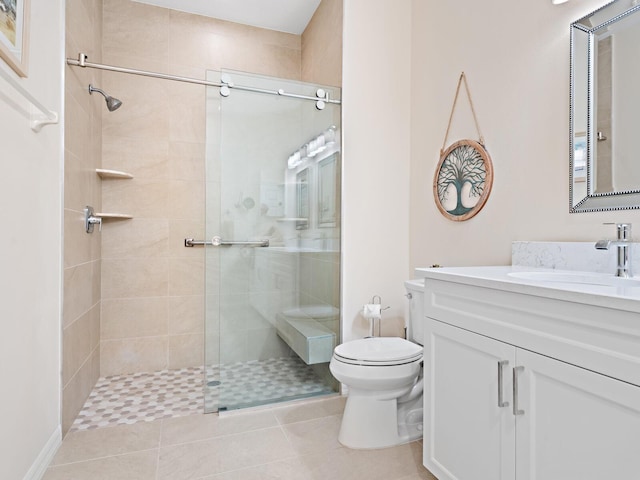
(498, 278)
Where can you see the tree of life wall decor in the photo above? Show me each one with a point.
(464, 175)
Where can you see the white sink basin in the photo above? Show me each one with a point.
(582, 278)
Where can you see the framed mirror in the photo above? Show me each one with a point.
(605, 63)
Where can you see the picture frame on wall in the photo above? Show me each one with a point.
(14, 34)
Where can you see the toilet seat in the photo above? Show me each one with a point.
(378, 351)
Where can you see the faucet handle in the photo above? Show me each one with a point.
(623, 229)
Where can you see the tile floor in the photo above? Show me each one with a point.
(142, 397)
(259, 382)
(298, 441)
(145, 397)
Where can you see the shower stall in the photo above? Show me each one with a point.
(270, 243)
(195, 152)
(272, 258)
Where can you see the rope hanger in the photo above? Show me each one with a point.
(473, 111)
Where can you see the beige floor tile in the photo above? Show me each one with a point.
(291, 469)
(346, 464)
(387, 463)
(104, 442)
(426, 475)
(209, 457)
(296, 442)
(310, 410)
(338, 464)
(316, 435)
(134, 466)
(201, 427)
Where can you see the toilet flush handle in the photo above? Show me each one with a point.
(409, 295)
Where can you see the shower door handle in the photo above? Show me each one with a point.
(218, 242)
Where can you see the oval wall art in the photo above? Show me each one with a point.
(463, 180)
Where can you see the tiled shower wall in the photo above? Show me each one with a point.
(152, 287)
(83, 131)
(322, 63)
(322, 45)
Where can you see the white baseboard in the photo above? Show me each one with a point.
(36, 472)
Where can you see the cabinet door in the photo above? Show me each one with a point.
(576, 425)
(467, 435)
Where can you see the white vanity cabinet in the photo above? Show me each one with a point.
(575, 424)
(571, 424)
(515, 390)
(466, 435)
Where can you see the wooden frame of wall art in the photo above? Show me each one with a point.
(463, 180)
(14, 34)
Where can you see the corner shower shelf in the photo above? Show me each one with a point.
(116, 174)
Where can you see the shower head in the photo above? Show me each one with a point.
(112, 102)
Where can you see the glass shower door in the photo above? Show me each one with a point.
(272, 285)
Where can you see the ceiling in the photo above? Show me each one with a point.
(291, 16)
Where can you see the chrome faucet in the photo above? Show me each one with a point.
(623, 244)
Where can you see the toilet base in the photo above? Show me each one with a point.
(410, 420)
(370, 422)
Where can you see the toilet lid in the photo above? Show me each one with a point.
(379, 351)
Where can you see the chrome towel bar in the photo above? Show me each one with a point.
(218, 242)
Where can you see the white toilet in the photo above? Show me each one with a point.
(385, 381)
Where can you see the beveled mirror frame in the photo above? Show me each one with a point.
(582, 45)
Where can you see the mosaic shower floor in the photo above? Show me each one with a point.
(258, 382)
(143, 397)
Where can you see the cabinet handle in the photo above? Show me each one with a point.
(516, 410)
(501, 364)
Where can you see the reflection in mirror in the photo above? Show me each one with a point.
(327, 192)
(605, 63)
(302, 199)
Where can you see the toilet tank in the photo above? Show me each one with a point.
(415, 312)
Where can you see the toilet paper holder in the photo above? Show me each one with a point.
(372, 312)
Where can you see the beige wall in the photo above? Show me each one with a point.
(152, 287)
(83, 133)
(322, 45)
(519, 79)
(31, 246)
(376, 114)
